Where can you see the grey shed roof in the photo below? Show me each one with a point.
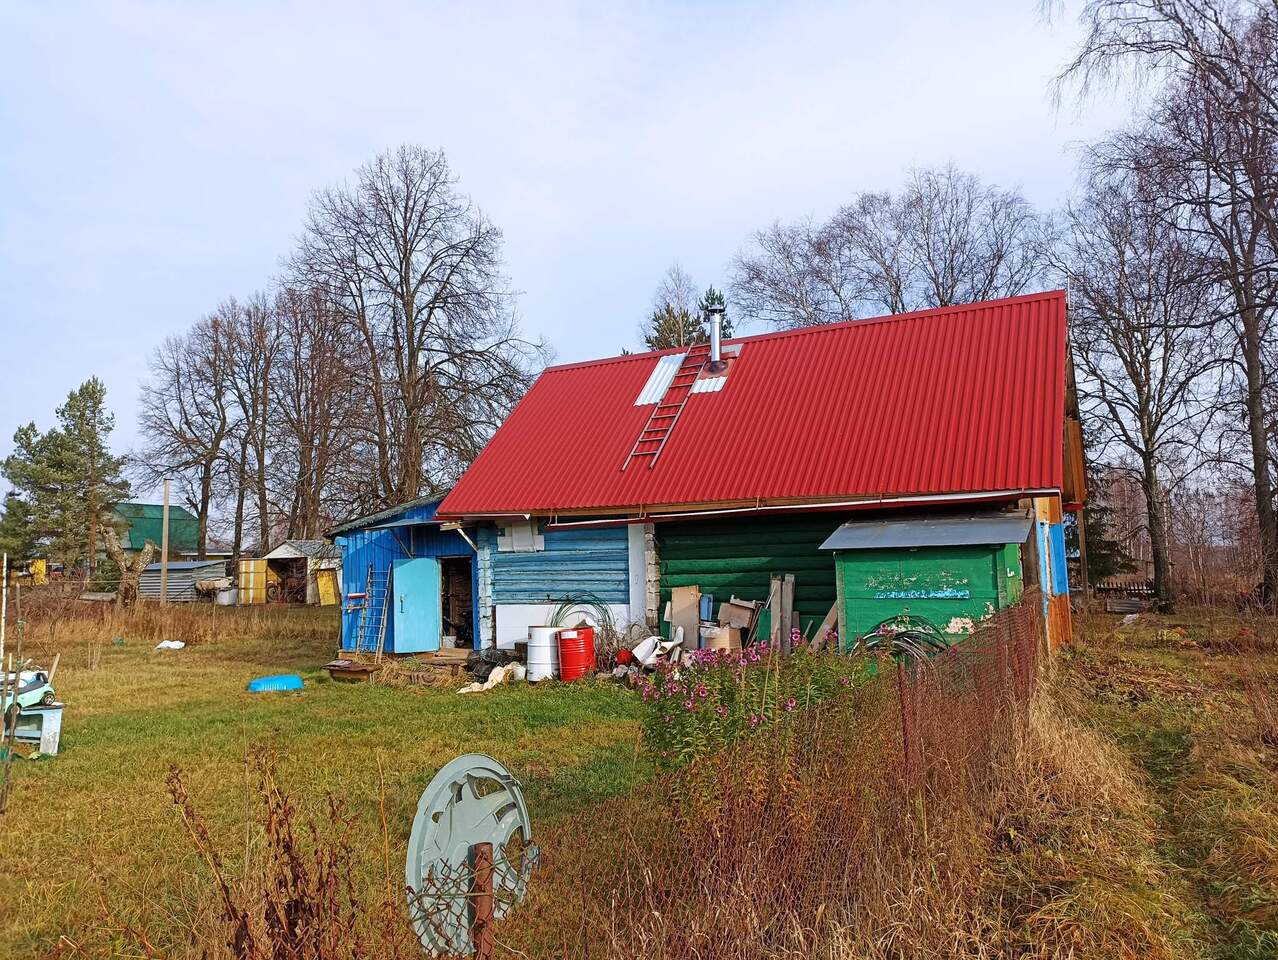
(315, 549)
(946, 531)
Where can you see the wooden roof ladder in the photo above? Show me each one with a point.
(661, 422)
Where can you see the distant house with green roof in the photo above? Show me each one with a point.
(140, 522)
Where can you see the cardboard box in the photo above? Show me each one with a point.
(736, 613)
(719, 637)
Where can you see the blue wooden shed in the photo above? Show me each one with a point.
(408, 586)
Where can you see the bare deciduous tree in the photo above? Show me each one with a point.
(1140, 343)
(416, 270)
(316, 402)
(1211, 138)
(253, 339)
(186, 413)
(946, 238)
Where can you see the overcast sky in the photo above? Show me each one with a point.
(158, 157)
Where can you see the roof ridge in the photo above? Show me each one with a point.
(816, 328)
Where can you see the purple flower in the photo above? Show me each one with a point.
(844, 681)
(791, 704)
(721, 710)
(702, 690)
(755, 720)
(689, 705)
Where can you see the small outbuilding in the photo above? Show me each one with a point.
(300, 571)
(952, 570)
(182, 577)
(408, 585)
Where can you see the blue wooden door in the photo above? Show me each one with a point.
(418, 609)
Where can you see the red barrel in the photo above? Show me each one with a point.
(576, 653)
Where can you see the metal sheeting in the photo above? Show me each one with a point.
(972, 530)
(146, 522)
(182, 578)
(574, 561)
(957, 400)
(659, 381)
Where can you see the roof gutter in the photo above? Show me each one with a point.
(809, 507)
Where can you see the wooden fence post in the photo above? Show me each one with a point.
(907, 733)
(787, 613)
(481, 900)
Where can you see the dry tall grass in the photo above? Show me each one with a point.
(955, 810)
(953, 814)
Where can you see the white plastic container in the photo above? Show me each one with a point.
(226, 597)
(543, 653)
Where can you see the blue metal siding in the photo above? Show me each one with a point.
(381, 548)
(574, 561)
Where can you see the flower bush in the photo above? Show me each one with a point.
(716, 696)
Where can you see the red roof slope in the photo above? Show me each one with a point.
(963, 399)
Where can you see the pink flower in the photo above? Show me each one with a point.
(689, 705)
(755, 720)
(791, 704)
(721, 710)
(702, 690)
(844, 681)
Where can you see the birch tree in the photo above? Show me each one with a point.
(945, 238)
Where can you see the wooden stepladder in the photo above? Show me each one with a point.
(661, 422)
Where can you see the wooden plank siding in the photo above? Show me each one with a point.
(574, 561)
(952, 586)
(381, 548)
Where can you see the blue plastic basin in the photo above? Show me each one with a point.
(278, 681)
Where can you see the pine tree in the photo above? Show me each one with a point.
(714, 298)
(17, 534)
(674, 325)
(67, 479)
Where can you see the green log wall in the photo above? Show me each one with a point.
(740, 556)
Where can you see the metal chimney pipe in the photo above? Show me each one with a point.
(716, 336)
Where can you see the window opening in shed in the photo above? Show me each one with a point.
(457, 601)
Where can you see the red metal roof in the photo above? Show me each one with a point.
(957, 400)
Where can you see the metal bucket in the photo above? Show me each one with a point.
(543, 652)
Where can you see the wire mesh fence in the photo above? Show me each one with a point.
(829, 810)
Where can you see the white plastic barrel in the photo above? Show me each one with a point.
(543, 652)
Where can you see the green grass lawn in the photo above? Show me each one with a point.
(92, 832)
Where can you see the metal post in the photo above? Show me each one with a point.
(481, 901)
(164, 547)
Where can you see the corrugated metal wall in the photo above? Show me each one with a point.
(738, 557)
(574, 561)
(381, 548)
(181, 581)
